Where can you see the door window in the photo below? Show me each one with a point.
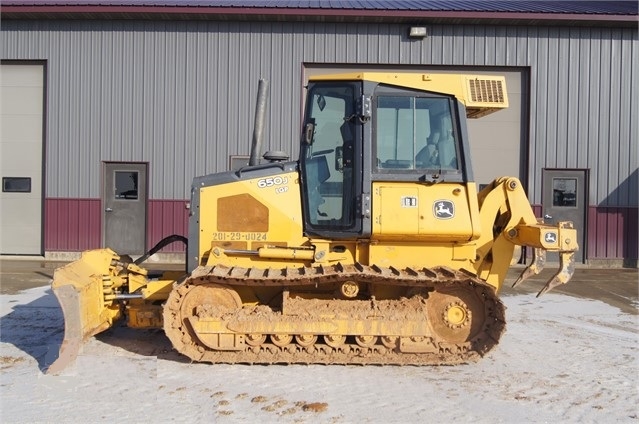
(564, 192)
(126, 185)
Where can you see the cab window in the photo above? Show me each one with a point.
(415, 134)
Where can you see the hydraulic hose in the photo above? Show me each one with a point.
(160, 245)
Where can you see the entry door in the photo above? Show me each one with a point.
(21, 158)
(564, 198)
(124, 207)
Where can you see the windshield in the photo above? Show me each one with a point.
(415, 133)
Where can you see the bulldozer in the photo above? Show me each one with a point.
(374, 247)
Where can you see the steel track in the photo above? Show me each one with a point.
(437, 279)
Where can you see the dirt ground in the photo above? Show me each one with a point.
(617, 287)
(565, 357)
(22, 274)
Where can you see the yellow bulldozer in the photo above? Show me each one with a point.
(375, 247)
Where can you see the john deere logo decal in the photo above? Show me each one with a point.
(443, 209)
(550, 238)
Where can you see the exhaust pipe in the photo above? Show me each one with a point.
(258, 128)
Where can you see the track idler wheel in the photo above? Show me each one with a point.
(255, 339)
(334, 340)
(390, 342)
(281, 340)
(190, 302)
(366, 341)
(306, 340)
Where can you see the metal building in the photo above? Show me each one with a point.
(111, 100)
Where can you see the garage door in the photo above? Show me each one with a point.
(497, 141)
(21, 158)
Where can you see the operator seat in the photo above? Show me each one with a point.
(446, 146)
(317, 172)
(428, 156)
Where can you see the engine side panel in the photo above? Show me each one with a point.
(244, 216)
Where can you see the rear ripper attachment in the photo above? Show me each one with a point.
(335, 314)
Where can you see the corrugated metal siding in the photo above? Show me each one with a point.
(76, 224)
(181, 95)
(72, 224)
(167, 217)
(613, 233)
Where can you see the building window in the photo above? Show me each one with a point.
(16, 184)
(238, 161)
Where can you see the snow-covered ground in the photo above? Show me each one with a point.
(562, 359)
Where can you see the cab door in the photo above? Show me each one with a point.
(330, 162)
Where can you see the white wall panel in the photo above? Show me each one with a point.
(21, 157)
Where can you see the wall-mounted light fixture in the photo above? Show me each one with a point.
(418, 32)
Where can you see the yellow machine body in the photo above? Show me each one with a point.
(481, 94)
(249, 216)
(374, 247)
(397, 217)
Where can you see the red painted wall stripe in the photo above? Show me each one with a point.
(71, 224)
(631, 245)
(167, 217)
(75, 225)
(614, 233)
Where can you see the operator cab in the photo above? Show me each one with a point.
(359, 132)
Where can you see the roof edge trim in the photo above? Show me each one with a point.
(308, 12)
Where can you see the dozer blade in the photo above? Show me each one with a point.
(80, 289)
(566, 270)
